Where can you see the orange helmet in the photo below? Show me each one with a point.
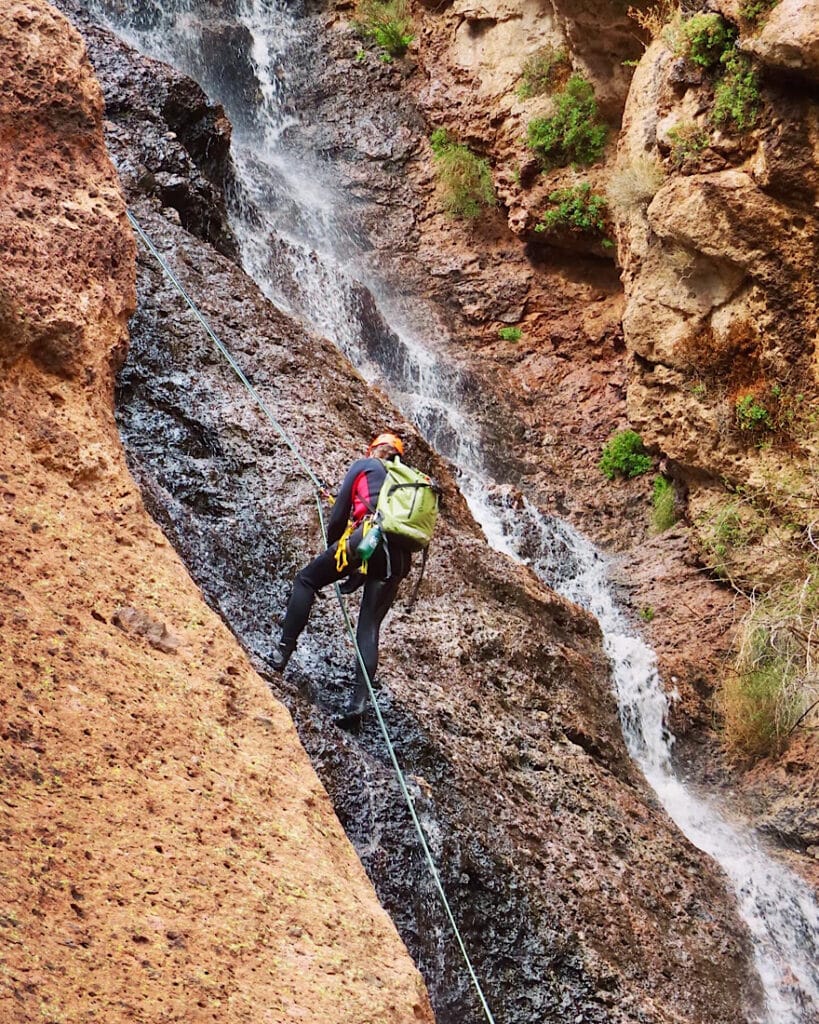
(390, 439)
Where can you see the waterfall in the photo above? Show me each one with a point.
(311, 261)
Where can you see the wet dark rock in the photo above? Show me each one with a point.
(165, 137)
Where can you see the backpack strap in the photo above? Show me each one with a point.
(417, 587)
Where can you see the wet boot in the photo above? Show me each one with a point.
(351, 718)
(280, 655)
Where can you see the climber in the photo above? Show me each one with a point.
(381, 578)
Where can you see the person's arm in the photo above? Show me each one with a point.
(337, 523)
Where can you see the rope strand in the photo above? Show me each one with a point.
(318, 487)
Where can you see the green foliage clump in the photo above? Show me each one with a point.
(736, 96)
(774, 685)
(752, 414)
(510, 333)
(573, 134)
(755, 10)
(464, 179)
(705, 38)
(624, 455)
(664, 510)
(542, 70)
(577, 209)
(687, 140)
(388, 23)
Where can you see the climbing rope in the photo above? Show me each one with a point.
(319, 490)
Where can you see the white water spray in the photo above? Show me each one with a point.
(287, 219)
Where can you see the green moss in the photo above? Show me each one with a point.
(510, 333)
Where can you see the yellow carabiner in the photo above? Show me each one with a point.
(342, 561)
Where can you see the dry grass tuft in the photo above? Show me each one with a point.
(632, 186)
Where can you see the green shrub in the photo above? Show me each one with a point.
(755, 10)
(663, 501)
(510, 333)
(464, 179)
(687, 140)
(752, 415)
(573, 134)
(759, 706)
(542, 70)
(706, 37)
(736, 96)
(388, 23)
(577, 209)
(624, 455)
(647, 613)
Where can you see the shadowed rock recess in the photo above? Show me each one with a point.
(577, 898)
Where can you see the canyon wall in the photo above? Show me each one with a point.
(166, 850)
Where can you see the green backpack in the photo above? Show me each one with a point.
(407, 505)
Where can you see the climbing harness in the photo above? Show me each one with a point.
(319, 490)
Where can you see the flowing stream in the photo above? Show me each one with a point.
(311, 262)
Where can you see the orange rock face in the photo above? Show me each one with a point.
(166, 851)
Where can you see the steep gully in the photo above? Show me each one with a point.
(317, 263)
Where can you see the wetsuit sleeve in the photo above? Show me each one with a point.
(343, 504)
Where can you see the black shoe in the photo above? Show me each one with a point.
(280, 655)
(350, 720)
(352, 715)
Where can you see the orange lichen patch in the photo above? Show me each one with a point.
(733, 356)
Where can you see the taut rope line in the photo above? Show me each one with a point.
(317, 485)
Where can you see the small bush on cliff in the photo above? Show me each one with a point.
(576, 209)
(464, 179)
(755, 10)
(705, 38)
(633, 185)
(510, 333)
(687, 141)
(775, 683)
(664, 505)
(736, 96)
(624, 455)
(542, 71)
(752, 415)
(574, 133)
(388, 23)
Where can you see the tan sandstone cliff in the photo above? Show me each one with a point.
(166, 851)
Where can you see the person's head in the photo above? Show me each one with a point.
(385, 446)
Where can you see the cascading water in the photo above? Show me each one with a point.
(312, 262)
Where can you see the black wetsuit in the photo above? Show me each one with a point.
(387, 566)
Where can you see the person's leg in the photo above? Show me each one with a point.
(376, 601)
(315, 575)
